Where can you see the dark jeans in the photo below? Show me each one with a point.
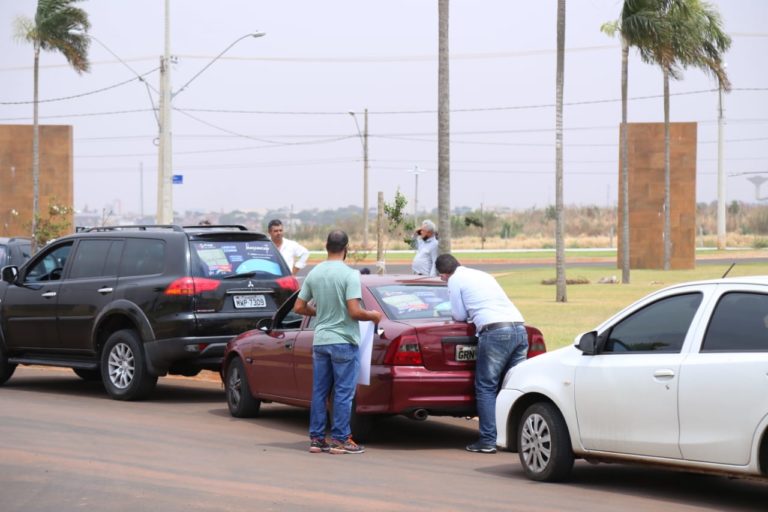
(497, 351)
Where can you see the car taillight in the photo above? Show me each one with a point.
(288, 282)
(404, 351)
(536, 345)
(191, 286)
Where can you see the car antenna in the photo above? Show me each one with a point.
(729, 268)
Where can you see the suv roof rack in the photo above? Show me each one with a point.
(238, 227)
(137, 227)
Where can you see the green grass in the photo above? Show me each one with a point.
(590, 304)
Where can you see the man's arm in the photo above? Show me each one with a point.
(458, 310)
(302, 307)
(300, 256)
(360, 314)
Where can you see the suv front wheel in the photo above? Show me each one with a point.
(123, 369)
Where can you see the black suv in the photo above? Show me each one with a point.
(14, 251)
(127, 304)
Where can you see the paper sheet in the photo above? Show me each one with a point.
(365, 352)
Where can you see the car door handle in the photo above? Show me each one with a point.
(49, 295)
(664, 374)
(105, 290)
(288, 346)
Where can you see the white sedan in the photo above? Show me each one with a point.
(677, 379)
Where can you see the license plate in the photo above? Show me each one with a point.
(250, 301)
(466, 352)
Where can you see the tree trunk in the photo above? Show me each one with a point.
(624, 164)
(667, 186)
(35, 150)
(561, 295)
(443, 133)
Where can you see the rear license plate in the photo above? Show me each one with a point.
(466, 352)
(249, 301)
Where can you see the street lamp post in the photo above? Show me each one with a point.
(165, 141)
(721, 235)
(364, 141)
(416, 171)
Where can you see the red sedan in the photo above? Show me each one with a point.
(422, 361)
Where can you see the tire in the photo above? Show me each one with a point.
(241, 403)
(6, 368)
(544, 445)
(87, 374)
(123, 367)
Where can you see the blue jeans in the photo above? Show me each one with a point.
(497, 351)
(333, 366)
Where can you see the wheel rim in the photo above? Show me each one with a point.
(122, 365)
(536, 443)
(234, 386)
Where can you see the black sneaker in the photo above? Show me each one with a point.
(348, 446)
(318, 445)
(479, 447)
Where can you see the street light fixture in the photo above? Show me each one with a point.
(165, 151)
(364, 142)
(416, 171)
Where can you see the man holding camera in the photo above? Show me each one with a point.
(425, 241)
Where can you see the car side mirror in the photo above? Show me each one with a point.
(264, 325)
(588, 343)
(10, 273)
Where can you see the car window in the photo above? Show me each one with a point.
(408, 301)
(142, 257)
(658, 327)
(90, 258)
(739, 324)
(50, 265)
(223, 258)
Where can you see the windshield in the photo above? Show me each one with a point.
(227, 258)
(409, 301)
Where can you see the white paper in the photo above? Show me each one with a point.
(365, 352)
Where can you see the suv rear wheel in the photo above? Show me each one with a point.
(123, 368)
(6, 369)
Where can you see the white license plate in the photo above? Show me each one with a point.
(249, 301)
(466, 352)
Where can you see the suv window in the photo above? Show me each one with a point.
(90, 258)
(51, 265)
(739, 324)
(224, 258)
(658, 327)
(142, 257)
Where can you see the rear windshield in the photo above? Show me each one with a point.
(223, 258)
(406, 301)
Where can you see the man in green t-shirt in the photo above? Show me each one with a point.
(336, 291)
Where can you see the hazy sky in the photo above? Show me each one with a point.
(267, 125)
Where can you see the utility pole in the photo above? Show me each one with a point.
(165, 160)
(141, 190)
(721, 243)
(364, 140)
(416, 171)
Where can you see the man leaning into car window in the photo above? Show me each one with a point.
(336, 290)
(476, 297)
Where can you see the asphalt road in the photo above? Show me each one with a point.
(65, 446)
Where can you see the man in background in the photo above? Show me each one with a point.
(294, 254)
(502, 342)
(426, 250)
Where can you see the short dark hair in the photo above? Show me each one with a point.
(273, 223)
(337, 241)
(446, 264)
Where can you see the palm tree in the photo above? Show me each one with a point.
(560, 294)
(443, 133)
(61, 27)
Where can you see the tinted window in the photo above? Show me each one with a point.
(658, 327)
(89, 259)
(51, 265)
(738, 324)
(142, 257)
(403, 301)
(222, 258)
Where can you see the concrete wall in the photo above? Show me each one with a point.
(56, 177)
(646, 195)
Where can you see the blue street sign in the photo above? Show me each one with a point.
(178, 179)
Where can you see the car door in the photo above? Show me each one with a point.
(723, 386)
(89, 287)
(272, 354)
(29, 308)
(626, 396)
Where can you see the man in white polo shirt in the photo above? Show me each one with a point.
(294, 254)
(476, 297)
